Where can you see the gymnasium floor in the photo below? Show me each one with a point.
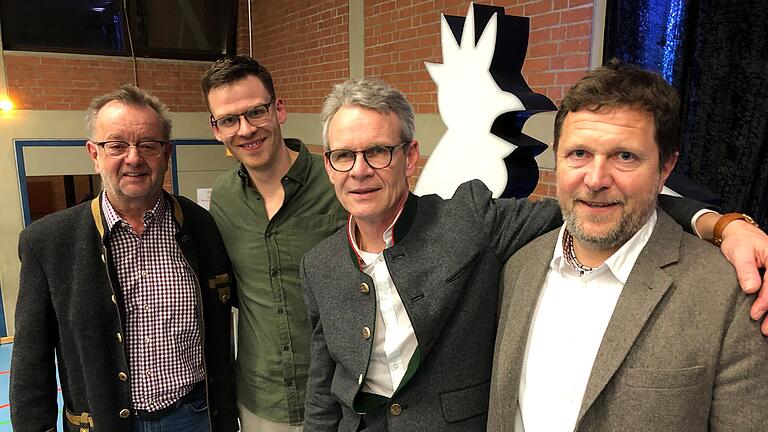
(5, 368)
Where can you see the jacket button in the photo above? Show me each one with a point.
(124, 413)
(122, 376)
(364, 288)
(119, 338)
(366, 332)
(114, 299)
(395, 409)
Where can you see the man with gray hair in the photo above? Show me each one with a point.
(403, 301)
(127, 294)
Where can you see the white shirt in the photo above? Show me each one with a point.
(394, 340)
(566, 331)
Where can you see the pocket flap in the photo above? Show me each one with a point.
(463, 404)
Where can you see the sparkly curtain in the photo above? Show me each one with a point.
(715, 52)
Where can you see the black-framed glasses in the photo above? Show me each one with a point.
(118, 149)
(256, 116)
(376, 157)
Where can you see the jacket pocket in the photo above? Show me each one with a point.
(663, 379)
(465, 403)
(468, 265)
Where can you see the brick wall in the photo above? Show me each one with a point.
(42, 81)
(304, 44)
(401, 35)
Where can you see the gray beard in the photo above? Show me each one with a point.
(628, 225)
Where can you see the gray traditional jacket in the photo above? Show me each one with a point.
(70, 306)
(445, 263)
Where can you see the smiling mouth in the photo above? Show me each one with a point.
(599, 204)
(253, 144)
(363, 191)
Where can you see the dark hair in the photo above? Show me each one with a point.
(228, 70)
(128, 94)
(621, 85)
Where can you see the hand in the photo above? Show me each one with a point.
(746, 247)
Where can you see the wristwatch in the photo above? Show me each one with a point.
(717, 233)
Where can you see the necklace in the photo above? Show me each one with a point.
(570, 255)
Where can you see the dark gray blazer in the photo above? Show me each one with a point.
(445, 263)
(679, 354)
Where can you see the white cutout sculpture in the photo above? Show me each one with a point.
(469, 101)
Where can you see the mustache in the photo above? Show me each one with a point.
(598, 197)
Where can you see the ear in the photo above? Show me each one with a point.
(282, 114)
(412, 159)
(667, 168)
(93, 152)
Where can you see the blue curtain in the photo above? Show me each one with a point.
(715, 52)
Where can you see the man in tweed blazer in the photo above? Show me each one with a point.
(619, 321)
(402, 301)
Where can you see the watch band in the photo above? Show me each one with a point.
(717, 233)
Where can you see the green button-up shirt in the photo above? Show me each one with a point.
(273, 329)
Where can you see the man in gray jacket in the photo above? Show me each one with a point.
(403, 300)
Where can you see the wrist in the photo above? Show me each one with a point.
(724, 221)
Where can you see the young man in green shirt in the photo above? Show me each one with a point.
(272, 208)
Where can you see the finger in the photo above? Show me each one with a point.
(764, 327)
(749, 277)
(760, 306)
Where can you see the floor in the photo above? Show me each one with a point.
(5, 374)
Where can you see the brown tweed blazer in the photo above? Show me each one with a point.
(679, 354)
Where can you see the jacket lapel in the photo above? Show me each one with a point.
(645, 287)
(521, 299)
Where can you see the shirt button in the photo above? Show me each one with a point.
(364, 288)
(146, 307)
(286, 347)
(144, 273)
(122, 376)
(124, 413)
(395, 409)
(147, 339)
(279, 310)
(273, 273)
(147, 373)
(395, 366)
(366, 333)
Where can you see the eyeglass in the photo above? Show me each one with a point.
(377, 157)
(118, 149)
(255, 116)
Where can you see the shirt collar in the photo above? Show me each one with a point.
(363, 257)
(622, 261)
(156, 213)
(299, 170)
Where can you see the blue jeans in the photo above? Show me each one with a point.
(191, 416)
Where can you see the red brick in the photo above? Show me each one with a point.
(576, 15)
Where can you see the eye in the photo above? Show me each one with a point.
(377, 151)
(117, 145)
(625, 156)
(149, 145)
(227, 121)
(256, 112)
(578, 154)
(342, 155)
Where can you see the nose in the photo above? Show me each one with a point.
(360, 167)
(132, 157)
(245, 127)
(598, 175)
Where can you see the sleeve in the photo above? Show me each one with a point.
(511, 223)
(682, 210)
(33, 371)
(322, 412)
(740, 394)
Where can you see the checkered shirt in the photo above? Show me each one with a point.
(162, 334)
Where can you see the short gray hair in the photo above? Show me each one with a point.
(128, 94)
(372, 94)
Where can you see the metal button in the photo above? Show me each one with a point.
(122, 376)
(103, 259)
(114, 299)
(360, 379)
(395, 409)
(364, 288)
(124, 413)
(119, 338)
(366, 332)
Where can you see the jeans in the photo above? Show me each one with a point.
(191, 416)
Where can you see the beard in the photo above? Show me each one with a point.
(630, 221)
